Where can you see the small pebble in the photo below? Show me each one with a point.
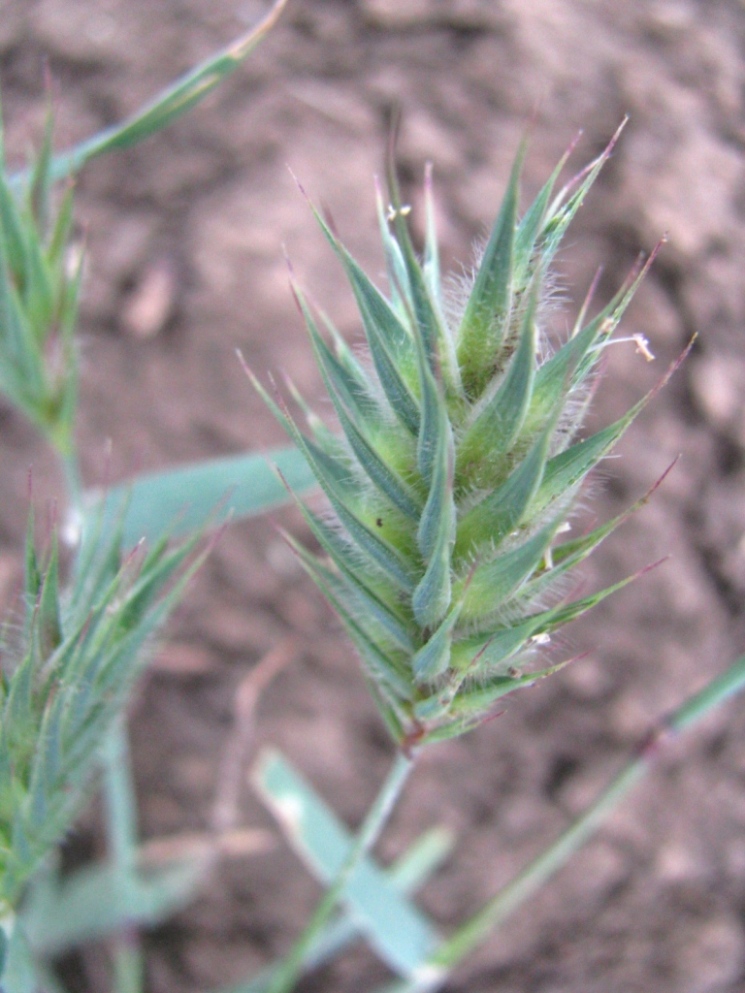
(151, 305)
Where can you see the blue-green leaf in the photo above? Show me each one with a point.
(399, 933)
(80, 909)
(190, 497)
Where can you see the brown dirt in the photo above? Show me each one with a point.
(185, 236)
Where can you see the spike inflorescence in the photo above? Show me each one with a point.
(457, 466)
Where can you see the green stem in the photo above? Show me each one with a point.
(475, 931)
(73, 481)
(121, 828)
(538, 872)
(289, 971)
(717, 691)
(7, 925)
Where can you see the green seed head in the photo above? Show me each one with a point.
(39, 290)
(457, 466)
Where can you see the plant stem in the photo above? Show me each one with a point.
(121, 828)
(538, 872)
(72, 480)
(118, 789)
(289, 971)
(7, 925)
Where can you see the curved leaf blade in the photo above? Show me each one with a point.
(188, 498)
(169, 105)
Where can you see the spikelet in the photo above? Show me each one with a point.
(457, 465)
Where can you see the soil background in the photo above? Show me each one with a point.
(185, 237)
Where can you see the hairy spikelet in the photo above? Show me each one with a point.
(66, 681)
(40, 280)
(458, 464)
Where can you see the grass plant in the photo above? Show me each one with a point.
(451, 482)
